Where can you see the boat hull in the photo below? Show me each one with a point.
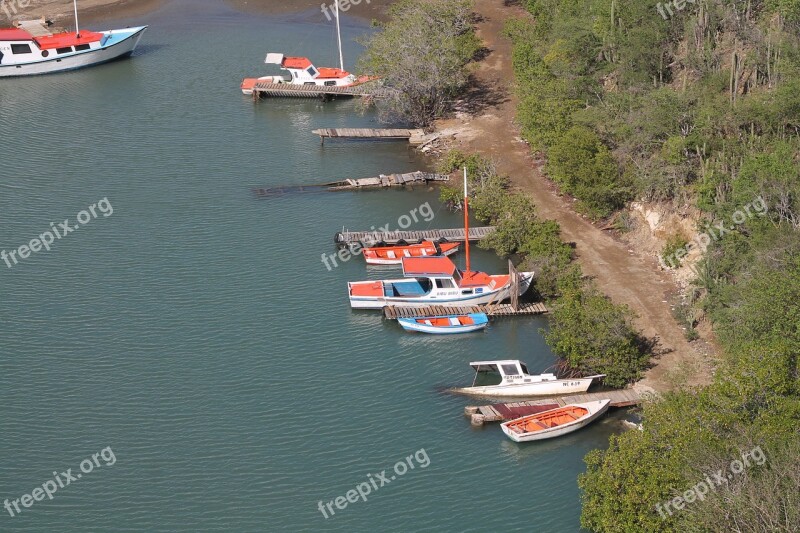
(543, 388)
(486, 297)
(118, 49)
(412, 324)
(596, 409)
(385, 261)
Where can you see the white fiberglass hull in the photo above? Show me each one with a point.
(76, 60)
(411, 325)
(542, 388)
(486, 297)
(596, 409)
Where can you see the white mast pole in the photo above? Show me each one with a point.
(75, 5)
(339, 36)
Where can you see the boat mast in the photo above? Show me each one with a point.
(466, 220)
(339, 36)
(75, 5)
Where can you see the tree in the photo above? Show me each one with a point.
(586, 169)
(595, 336)
(422, 53)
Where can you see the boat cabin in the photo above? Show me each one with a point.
(302, 72)
(505, 372)
(17, 46)
(440, 273)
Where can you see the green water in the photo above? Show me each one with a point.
(195, 330)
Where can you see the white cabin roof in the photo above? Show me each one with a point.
(502, 362)
(274, 59)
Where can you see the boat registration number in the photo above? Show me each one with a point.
(571, 383)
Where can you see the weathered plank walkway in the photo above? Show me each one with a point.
(410, 237)
(379, 134)
(393, 313)
(37, 28)
(265, 88)
(384, 180)
(390, 180)
(500, 412)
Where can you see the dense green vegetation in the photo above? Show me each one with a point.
(587, 331)
(423, 52)
(703, 108)
(687, 106)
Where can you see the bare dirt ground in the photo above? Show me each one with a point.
(627, 275)
(365, 9)
(61, 11)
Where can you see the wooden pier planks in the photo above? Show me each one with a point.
(392, 237)
(354, 184)
(388, 180)
(37, 28)
(393, 313)
(367, 133)
(266, 88)
(500, 412)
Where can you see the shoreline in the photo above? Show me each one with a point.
(485, 123)
(484, 128)
(97, 11)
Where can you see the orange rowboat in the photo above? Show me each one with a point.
(393, 255)
(555, 422)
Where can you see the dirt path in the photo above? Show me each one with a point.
(623, 274)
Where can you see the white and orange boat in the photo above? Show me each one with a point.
(393, 255)
(437, 281)
(23, 54)
(301, 71)
(511, 377)
(554, 423)
(434, 281)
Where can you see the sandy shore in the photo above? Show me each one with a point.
(60, 11)
(366, 9)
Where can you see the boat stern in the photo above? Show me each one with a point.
(366, 294)
(247, 85)
(510, 433)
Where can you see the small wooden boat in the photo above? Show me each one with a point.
(555, 422)
(447, 324)
(393, 255)
(512, 378)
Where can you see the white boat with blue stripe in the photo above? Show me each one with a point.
(445, 324)
(435, 281)
(24, 54)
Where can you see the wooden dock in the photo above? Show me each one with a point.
(501, 412)
(390, 180)
(393, 313)
(354, 184)
(377, 134)
(37, 28)
(265, 88)
(410, 237)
